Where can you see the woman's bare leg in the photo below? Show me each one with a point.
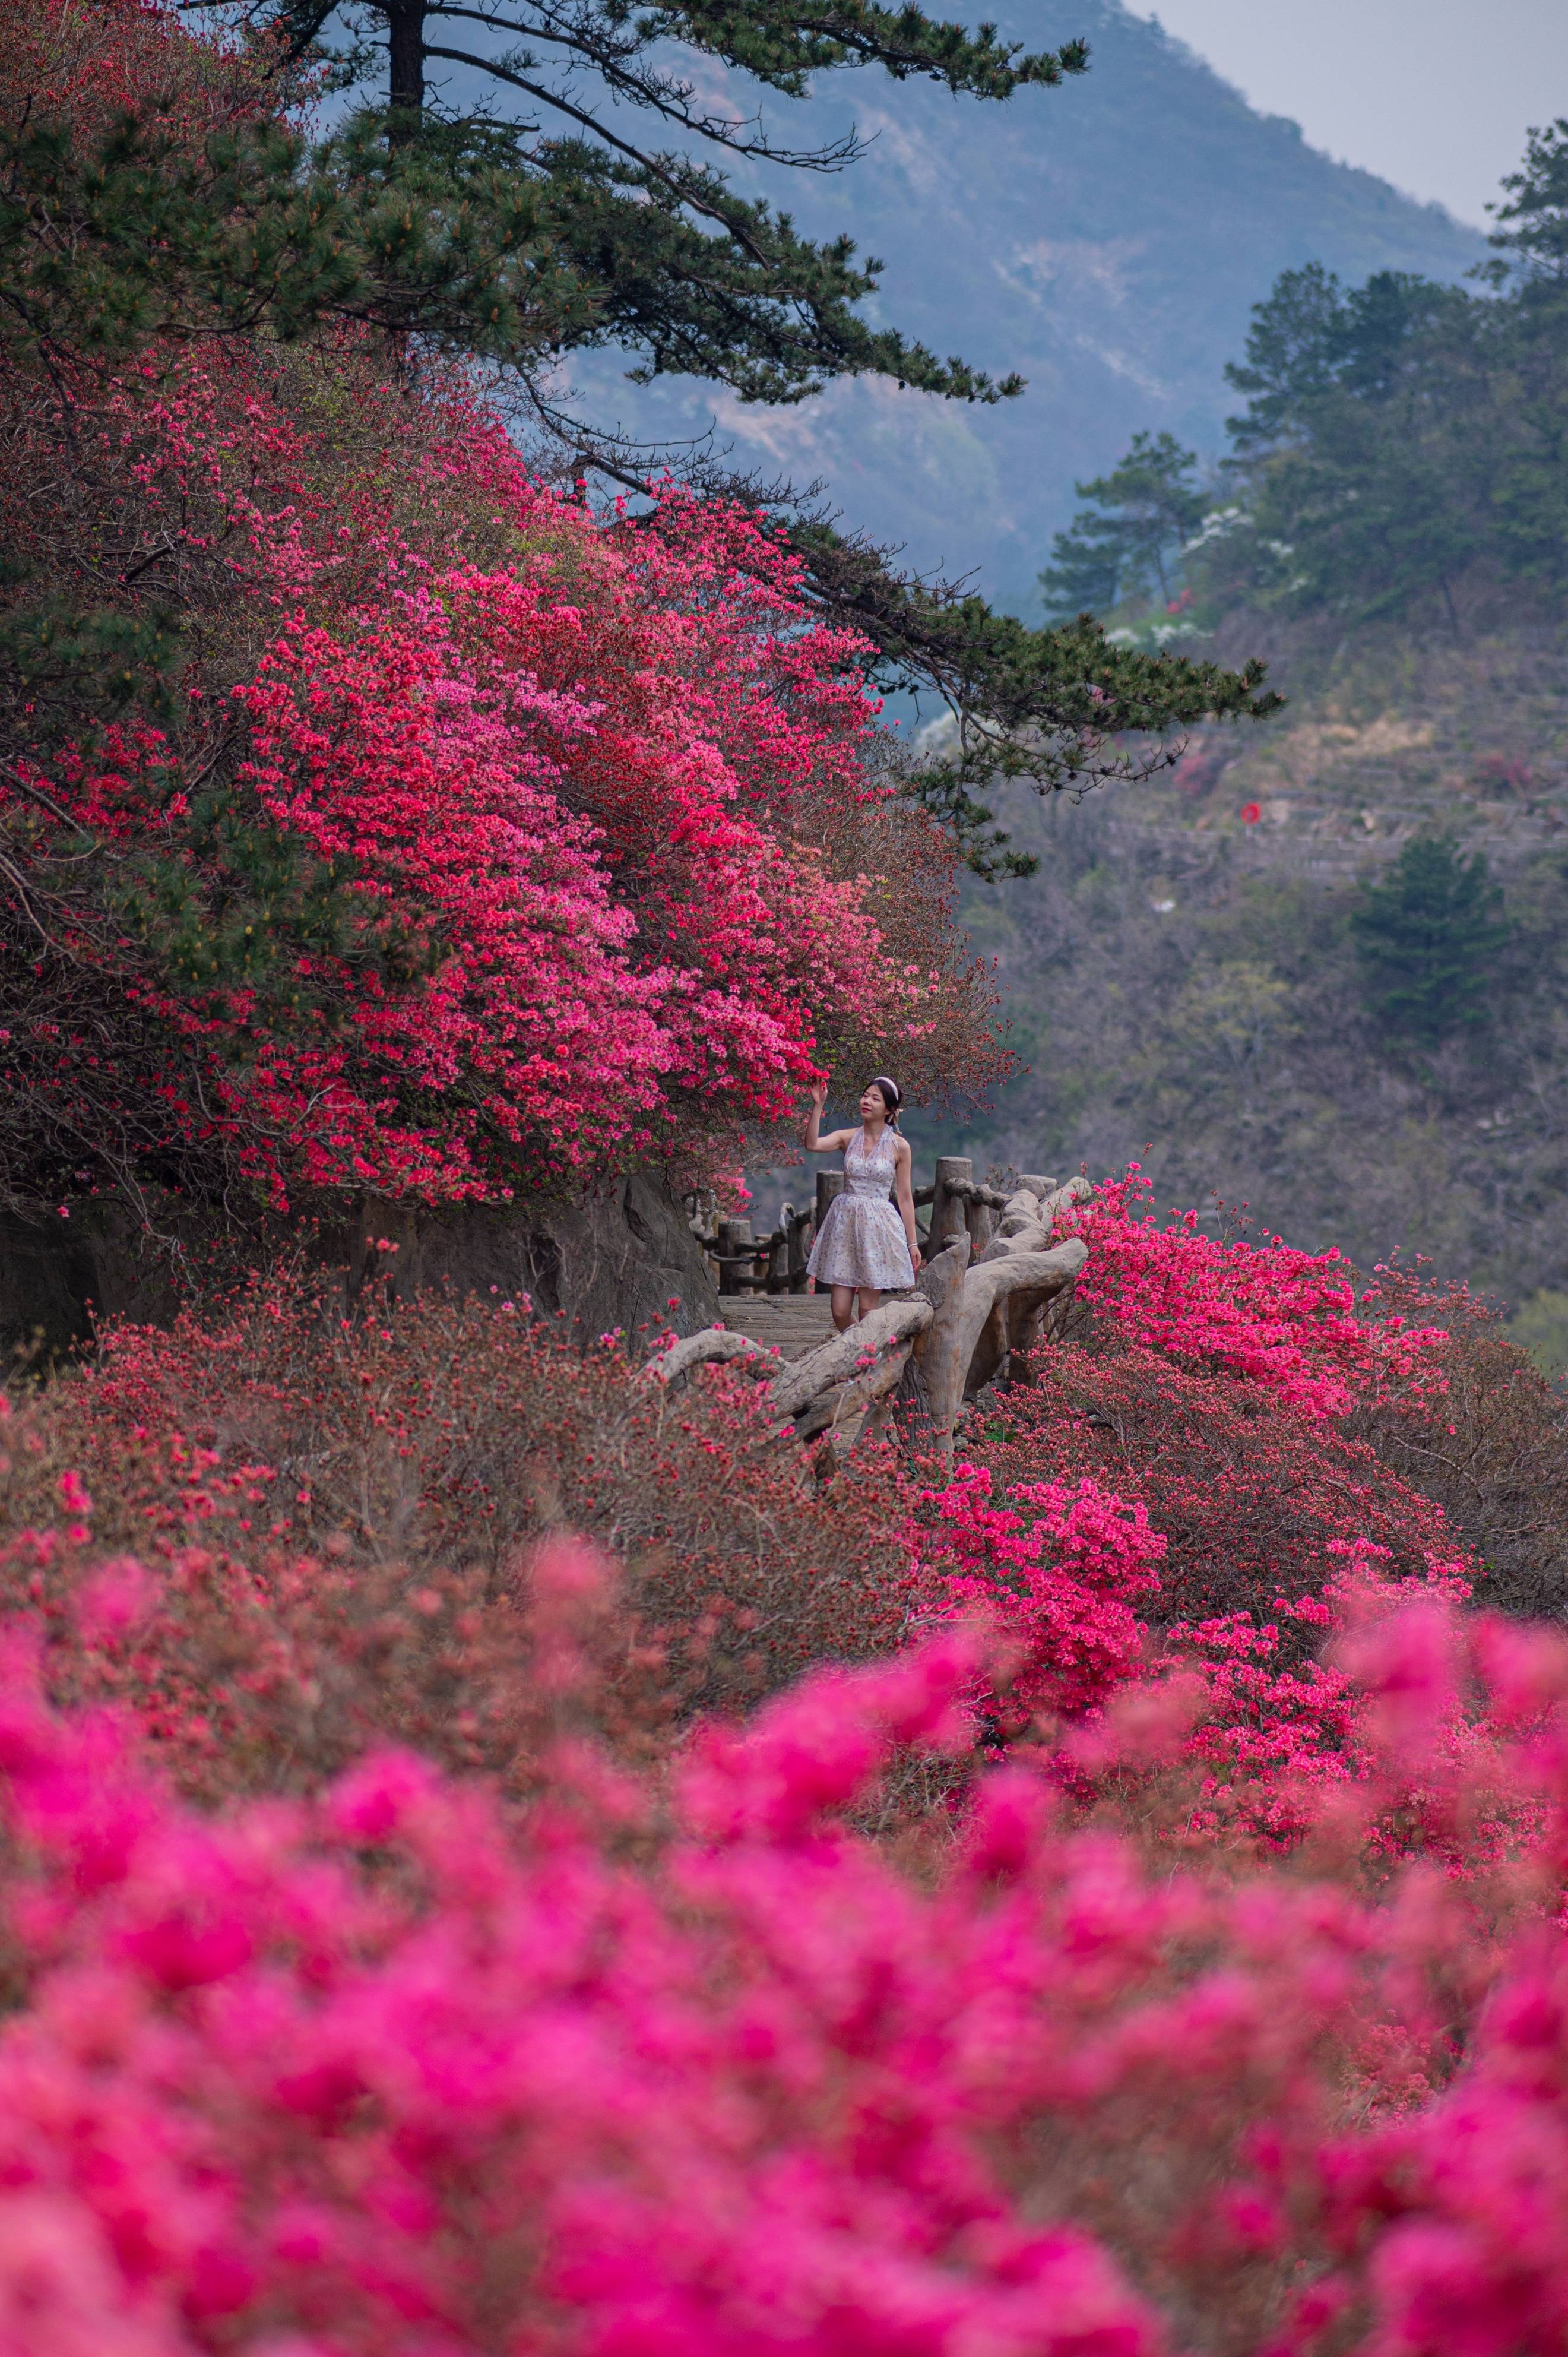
(843, 1305)
(869, 1297)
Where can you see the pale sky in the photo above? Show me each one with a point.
(1435, 95)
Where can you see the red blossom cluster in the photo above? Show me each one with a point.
(1062, 1572)
(564, 808)
(1170, 1503)
(1058, 1566)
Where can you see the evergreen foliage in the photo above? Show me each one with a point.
(1129, 542)
(1428, 939)
(1053, 706)
(1381, 451)
(138, 232)
(1533, 224)
(648, 247)
(1398, 439)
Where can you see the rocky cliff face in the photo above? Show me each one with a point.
(621, 1258)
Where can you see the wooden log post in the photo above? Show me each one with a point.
(969, 1338)
(852, 1358)
(1066, 1197)
(779, 1255)
(714, 1343)
(733, 1239)
(841, 1409)
(980, 1219)
(948, 1211)
(933, 1348)
(800, 1248)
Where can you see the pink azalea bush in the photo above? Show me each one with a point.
(1286, 1320)
(1057, 1568)
(1171, 1506)
(387, 2071)
(1061, 1572)
(470, 840)
(552, 902)
(1078, 1978)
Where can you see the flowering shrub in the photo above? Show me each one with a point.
(1133, 1522)
(1286, 1320)
(339, 1504)
(439, 836)
(1278, 1730)
(1060, 1572)
(382, 2073)
(1255, 1498)
(628, 2041)
(330, 1519)
(1054, 1577)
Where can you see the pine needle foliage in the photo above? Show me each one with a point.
(1128, 542)
(662, 256)
(1429, 938)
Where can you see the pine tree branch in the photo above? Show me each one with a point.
(660, 91)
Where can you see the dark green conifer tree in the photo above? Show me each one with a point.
(1428, 938)
(584, 112)
(1128, 543)
(1532, 226)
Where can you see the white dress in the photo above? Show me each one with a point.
(862, 1240)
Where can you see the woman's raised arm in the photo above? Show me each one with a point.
(812, 1138)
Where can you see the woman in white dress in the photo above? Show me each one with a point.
(866, 1247)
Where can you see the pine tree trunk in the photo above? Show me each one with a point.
(405, 88)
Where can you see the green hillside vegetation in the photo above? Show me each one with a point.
(1327, 970)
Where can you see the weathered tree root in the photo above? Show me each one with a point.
(672, 1366)
(853, 1357)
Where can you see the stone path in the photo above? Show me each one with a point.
(794, 1322)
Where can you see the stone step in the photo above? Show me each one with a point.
(793, 1323)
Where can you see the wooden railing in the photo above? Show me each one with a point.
(776, 1262)
(993, 1269)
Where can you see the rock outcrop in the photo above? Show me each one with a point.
(622, 1257)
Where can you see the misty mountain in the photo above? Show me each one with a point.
(1106, 239)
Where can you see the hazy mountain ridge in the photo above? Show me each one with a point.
(1107, 239)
